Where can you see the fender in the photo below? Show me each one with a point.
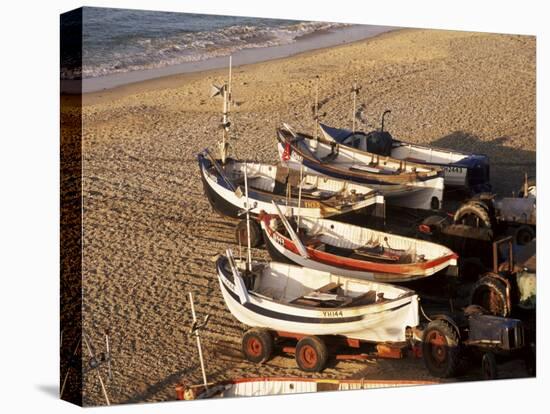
(450, 321)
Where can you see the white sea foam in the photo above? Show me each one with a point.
(134, 54)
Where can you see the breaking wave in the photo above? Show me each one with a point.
(135, 52)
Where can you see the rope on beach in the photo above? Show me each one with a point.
(424, 313)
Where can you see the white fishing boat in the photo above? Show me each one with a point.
(288, 298)
(310, 195)
(353, 251)
(402, 183)
(461, 169)
(262, 386)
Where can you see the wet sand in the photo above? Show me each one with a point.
(150, 234)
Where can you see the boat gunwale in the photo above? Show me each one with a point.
(396, 179)
(405, 143)
(341, 208)
(407, 293)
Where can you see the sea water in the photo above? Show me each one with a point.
(119, 41)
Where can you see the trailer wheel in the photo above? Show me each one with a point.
(441, 349)
(311, 354)
(523, 235)
(490, 293)
(257, 345)
(489, 366)
(256, 237)
(473, 214)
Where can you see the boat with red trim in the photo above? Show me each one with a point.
(353, 251)
(262, 386)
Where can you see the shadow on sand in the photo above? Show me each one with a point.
(508, 165)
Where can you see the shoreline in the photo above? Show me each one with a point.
(153, 79)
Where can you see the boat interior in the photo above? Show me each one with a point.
(354, 160)
(306, 287)
(374, 249)
(405, 151)
(285, 182)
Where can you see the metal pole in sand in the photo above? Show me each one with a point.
(300, 197)
(223, 148)
(354, 91)
(108, 348)
(198, 340)
(316, 105)
(249, 258)
(229, 83)
(68, 370)
(98, 374)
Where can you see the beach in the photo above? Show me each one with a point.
(150, 236)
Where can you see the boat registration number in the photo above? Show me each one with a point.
(311, 204)
(278, 239)
(454, 175)
(333, 314)
(453, 170)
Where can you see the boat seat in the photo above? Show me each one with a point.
(329, 288)
(270, 292)
(366, 298)
(377, 253)
(411, 159)
(324, 295)
(306, 302)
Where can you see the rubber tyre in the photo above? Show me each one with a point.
(524, 235)
(441, 349)
(311, 354)
(474, 214)
(257, 345)
(489, 370)
(256, 237)
(490, 294)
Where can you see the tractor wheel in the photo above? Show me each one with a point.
(523, 235)
(489, 369)
(257, 345)
(256, 237)
(441, 349)
(473, 214)
(311, 354)
(490, 294)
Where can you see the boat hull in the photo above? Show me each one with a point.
(227, 202)
(423, 194)
(460, 169)
(284, 250)
(262, 386)
(384, 322)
